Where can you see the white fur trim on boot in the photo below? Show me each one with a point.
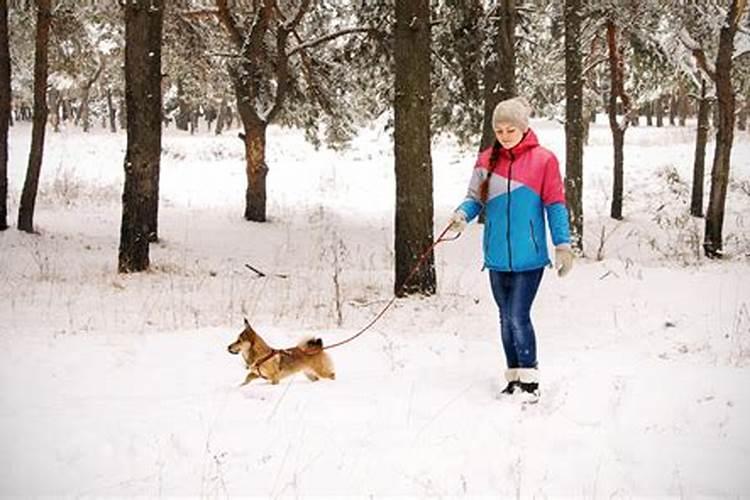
(528, 375)
(511, 375)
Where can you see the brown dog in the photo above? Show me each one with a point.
(276, 364)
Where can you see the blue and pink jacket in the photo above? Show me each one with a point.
(525, 183)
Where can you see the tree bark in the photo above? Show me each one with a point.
(659, 105)
(53, 110)
(742, 116)
(223, 116)
(469, 45)
(672, 109)
(111, 111)
(649, 111)
(713, 242)
(31, 184)
(413, 162)
(683, 107)
(84, 109)
(256, 169)
(574, 122)
(5, 112)
(616, 72)
(499, 66)
(182, 117)
(143, 31)
(696, 199)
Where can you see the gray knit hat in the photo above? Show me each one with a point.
(515, 111)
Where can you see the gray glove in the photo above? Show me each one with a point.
(563, 259)
(458, 222)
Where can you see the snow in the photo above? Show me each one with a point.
(122, 385)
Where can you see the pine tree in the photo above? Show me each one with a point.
(574, 125)
(143, 31)
(31, 184)
(4, 112)
(414, 206)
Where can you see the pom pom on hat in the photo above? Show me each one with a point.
(515, 111)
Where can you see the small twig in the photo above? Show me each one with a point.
(259, 273)
(605, 275)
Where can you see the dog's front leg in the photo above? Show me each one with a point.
(250, 377)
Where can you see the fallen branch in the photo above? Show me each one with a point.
(261, 274)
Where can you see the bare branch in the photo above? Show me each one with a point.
(200, 13)
(330, 37)
(222, 12)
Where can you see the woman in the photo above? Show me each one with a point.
(516, 181)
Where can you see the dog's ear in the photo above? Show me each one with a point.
(247, 323)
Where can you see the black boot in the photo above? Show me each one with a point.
(531, 388)
(510, 388)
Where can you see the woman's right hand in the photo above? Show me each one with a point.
(458, 222)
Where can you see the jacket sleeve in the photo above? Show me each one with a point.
(553, 197)
(472, 205)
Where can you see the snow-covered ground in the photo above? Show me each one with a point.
(122, 385)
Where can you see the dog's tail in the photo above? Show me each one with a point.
(311, 344)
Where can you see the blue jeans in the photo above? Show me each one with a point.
(514, 293)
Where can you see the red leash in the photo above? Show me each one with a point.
(422, 258)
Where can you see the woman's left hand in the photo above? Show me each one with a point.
(563, 259)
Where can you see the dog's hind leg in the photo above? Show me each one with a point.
(311, 376)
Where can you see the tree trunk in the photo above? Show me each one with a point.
(84, 110)
(742, 116)
(85, 92)
(659, 105)
(469, 45)
(683, 106)
(123, 115)
(143, 30)
(499, 65)
(672, 109)
(111, 111)
(256, 170)
(5, 113)
(574, 123)
(649, 109)
(53, 110)
(413, 162)
(713, 243)
(182, 117)
(31, 184)
(696, 200)
(221, 117)
(617, 77)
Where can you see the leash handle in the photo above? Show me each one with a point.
(422, 258)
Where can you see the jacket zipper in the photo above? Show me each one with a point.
(510, 174)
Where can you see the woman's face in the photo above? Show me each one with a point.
(508, 135)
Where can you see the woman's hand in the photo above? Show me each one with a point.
(563, 259)
(457, 222)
